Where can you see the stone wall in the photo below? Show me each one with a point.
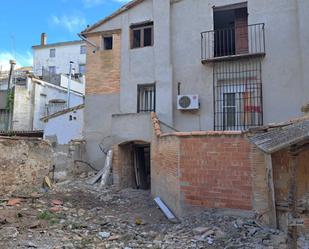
(23, 164)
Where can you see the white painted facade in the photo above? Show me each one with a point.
(175, 58)
(57, 62)
(65, 127)
(32, 99)
(64, 53)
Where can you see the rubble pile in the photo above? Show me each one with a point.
(76, 215)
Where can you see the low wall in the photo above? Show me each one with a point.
(209, 170)
(23, 164)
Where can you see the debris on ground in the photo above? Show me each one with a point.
(78, 215)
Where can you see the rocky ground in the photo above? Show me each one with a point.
(76, 215)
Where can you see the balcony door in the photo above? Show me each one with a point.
(230, 31)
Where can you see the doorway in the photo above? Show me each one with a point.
(141, 162)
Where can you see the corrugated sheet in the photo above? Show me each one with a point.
(278, 138)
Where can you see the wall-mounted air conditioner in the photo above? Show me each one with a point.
(188, 102)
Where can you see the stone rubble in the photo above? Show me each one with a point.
(76, 215)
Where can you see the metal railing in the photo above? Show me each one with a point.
(238, 40)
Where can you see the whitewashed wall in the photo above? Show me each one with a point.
(65, 129)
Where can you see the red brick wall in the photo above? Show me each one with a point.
(165, 171)
(215, 172)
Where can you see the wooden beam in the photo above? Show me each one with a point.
(271, 192)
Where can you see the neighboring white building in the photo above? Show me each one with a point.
(33, 99)
(64, 126)
(51, 62)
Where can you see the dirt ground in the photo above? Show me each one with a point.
(77, 215)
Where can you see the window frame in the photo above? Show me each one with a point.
(79, 66)
(52, 72)
(140, 88)
(141, 27)
(52, 55)
(104, 44)
(83, 49)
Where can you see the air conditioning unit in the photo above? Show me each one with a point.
(188, 102)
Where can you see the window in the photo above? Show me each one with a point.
(52, 53)
(52, 70)
(238, 95)
(82, 68)
(146, 98)
(83, 49)
(142, 35)
(108, 43)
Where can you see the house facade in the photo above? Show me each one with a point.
(51, 62)
(242, 63)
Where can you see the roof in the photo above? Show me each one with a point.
(32, 134)
(124, 8)
(273, 138)
(57, 114)
(58, 44)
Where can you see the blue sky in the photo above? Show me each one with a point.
(22, 22)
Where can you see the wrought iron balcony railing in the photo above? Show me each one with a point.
(234, 42)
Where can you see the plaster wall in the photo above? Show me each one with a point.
(64, 54)
(65, 127)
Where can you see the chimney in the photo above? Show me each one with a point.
(43, 39)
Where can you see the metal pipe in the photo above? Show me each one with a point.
(9, 104)
(90, 42)
(69, 84)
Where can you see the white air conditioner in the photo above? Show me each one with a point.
(188, 102)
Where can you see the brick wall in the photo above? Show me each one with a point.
(24, 164)
(216, 171)
(165, 171)
(103, 66)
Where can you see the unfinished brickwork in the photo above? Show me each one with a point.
(103, 66)
(24, 164)
(215, 171)
(123, 172)
(209, 169)
(165, 156)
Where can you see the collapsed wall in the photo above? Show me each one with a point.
(24, 162)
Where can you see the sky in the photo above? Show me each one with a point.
(23, 21)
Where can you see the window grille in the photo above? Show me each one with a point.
(146, 98)
(238, 95)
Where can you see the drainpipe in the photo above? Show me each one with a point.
(10, 106)
(88, 41)
(69, 84)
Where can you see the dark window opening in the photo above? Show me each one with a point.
(142, 35)
(146, 98)
(108, 43)
(230, 31)
(136, 38)
(147, 37)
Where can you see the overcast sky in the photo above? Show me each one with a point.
(22, 22)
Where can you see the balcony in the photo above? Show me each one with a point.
(233, 43)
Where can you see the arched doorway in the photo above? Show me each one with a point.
(133, 165)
